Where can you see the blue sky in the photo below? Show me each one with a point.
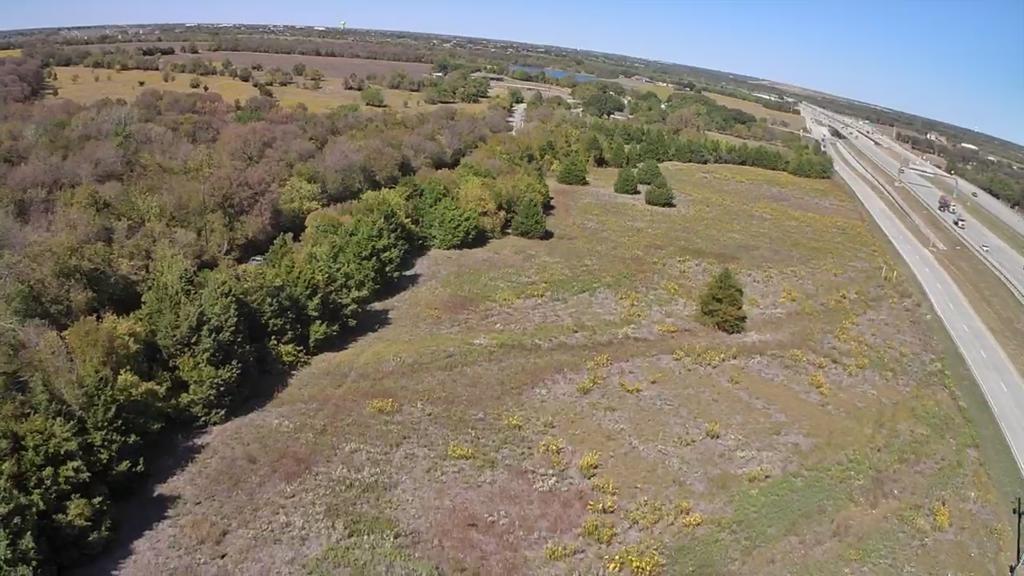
(961, 62)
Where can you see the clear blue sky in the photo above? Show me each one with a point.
(961, 62)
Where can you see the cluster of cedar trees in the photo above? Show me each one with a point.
(130, 297)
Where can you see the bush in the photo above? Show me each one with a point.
(194, 83)
(648, 173)
(529, 221)
(659, 196)
(372, 96)
(721, 304)
(448, 226)
(625, 182)
(573, 172)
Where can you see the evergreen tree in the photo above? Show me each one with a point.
(625, 183)
(721, 303)
(659, 194)
(616, 155)
(648, 172)
(528, 221)
(573, 172)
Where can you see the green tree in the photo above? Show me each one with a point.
(299, 198)
(515, 96)
(195, 83)
(372, 96)
(299, 69)
(648, 173)
(625, 182)
(659, 194)
(448, 225)
(616, 154)
(603, 104)
(594, 150)
(244, 74)
(529, 221)
(573, 171)
(721, 303)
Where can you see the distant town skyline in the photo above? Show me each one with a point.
(958, 62)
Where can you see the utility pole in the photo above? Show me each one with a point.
(1019, 513)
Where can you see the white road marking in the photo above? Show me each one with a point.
(965, 328)
(1003, 385)
(983, 355)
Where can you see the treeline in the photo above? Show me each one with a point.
(111, 58)
(403, 52)
(126, 298)
(559, 135)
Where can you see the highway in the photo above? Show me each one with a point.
(999, 380)
(1000, 256)
(993, 205)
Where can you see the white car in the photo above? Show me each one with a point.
(984, 247)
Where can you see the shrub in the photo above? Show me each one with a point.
(721, 304)
(646, 513)
(553, 447)
(604, 505)
(194, 82)
(372, 96)
(589, 383)
(458, 451)
(941, 516)
(692, 520)
(448, 226)
(599, 530)
(713, 430)
(383, 405)
(573, 171)
(659, 196)
(648, 173)
(589, 463)
(819, 382)
(513, 421)
(529, 221)
(625, 182)
(556, 551)
(604, 486)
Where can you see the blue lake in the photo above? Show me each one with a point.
(553, 73)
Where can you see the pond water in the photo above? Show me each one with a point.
(553, 72)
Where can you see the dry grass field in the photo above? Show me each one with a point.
(11, 53)
(792, 121)
(663, 92)
(92, 85)
(554, 407)
(735, 140)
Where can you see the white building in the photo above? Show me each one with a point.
(968, 146)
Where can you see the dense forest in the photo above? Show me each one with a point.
(162, 257)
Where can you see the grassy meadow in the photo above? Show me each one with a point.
(551, 407)
(92, 85)
(792, 121)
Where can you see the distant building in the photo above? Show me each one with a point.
(968, 146)
(936, 137)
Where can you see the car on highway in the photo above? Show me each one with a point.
(974, 194)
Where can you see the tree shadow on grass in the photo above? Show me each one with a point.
(174, 450)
